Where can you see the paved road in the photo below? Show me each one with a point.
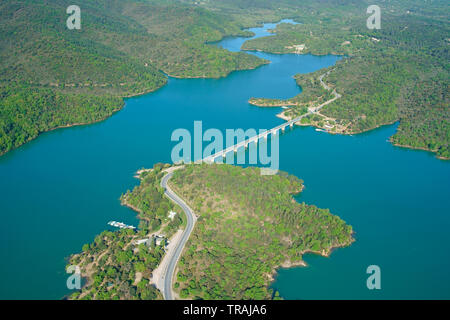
(168, 273)
(191, 218)
(264, 134)
(324, 85)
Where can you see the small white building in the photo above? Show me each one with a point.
(160, 238)
(172, 215)
(142, 241)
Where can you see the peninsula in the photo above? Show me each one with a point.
(248, 225)
(398, 73)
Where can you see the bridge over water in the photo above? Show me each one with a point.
(254, 139)
(274, 131)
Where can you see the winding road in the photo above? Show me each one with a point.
(326, 87)
(170, 261)
(174, 255)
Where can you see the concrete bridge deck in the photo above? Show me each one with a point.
(254, 139)
(275, 130)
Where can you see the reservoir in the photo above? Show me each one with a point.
(60, 190)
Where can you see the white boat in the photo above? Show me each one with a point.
(120, 225)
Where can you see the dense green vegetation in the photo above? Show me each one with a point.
(115, 268)
(248, 226)
(51, 76)
(427, 127)
(113, 265)
(124, 46)
(26, 111)
(312, 94)
(149, 201)
(397, 73)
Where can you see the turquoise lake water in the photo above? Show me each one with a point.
(60, 190)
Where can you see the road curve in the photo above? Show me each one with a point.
(169, 271)
(191, 218)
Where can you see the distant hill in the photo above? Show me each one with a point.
(51, 76)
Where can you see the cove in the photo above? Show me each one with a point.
(60, 190)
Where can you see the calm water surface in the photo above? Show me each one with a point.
(60, 190)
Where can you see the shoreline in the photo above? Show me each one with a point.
(302, 263)
(77, 124)
(287, 264)
(324, 253)
(124, 97)
(418, 148)
(300, 54)
(266, 62)
(279, 105)
(158, 274)
(281, 115)
(285, 103)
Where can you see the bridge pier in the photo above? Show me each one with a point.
(256, 139)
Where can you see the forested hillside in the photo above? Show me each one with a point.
(114, 265)
(51, 76)
(397, 73)
(248, 226)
